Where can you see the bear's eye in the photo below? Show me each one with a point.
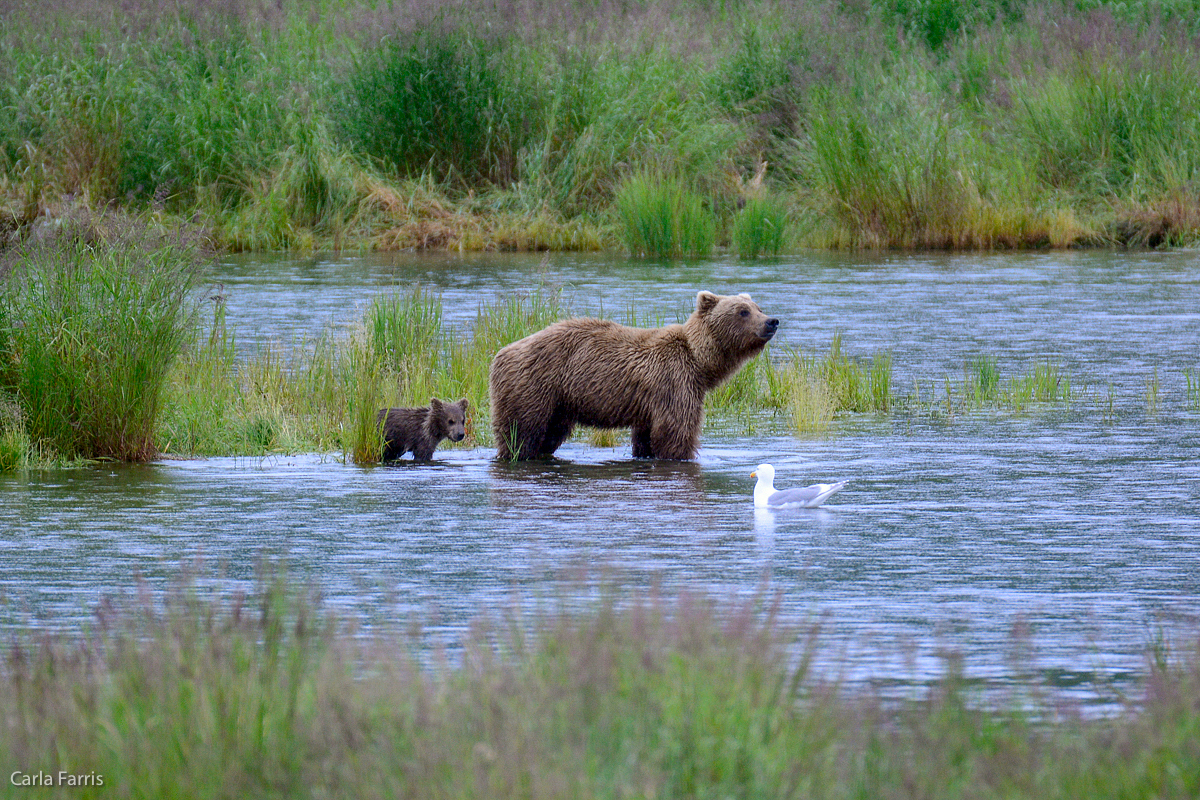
(745, 312)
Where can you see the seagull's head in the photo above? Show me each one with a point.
(766, 484)
(764, 472)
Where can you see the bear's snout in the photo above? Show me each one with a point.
(457, 436)
(769, 327)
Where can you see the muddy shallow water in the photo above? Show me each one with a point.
(1061, 539)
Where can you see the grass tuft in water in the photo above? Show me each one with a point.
(98, 311)
(663, 217)
(817, 388)
(14, 443)
(364, 437)
(1047, 383)
(983, 381)
(810, 399)
(1192, 378)
(761, 227)
(1153, 392)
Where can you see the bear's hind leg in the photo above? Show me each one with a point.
(513, 443)
(557, 431)
(641, 442)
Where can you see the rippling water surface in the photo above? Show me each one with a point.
(1063, 539)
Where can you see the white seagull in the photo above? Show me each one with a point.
(767, 496)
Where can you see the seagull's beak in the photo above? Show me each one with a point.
(754, 474)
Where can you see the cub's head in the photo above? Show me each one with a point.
(736, 322)
(452, 416)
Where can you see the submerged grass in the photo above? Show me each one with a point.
(269, 694)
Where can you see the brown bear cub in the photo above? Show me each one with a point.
(595, 372)
(419, 430)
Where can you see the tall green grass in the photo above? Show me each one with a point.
(887, 124)
(440, 102)
(761, 228)
(97, 313)
(267, 693)
(14, 442)
(664, 218)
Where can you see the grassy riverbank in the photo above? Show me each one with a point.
(535, 125)
(192, 695)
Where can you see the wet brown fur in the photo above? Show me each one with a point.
(420, 430)
(595, 372)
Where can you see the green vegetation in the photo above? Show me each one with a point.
(351, 123)
(662, 218)
(95, 313)
(105, 355)
(761, 227)
(105, 352)
(269, 695)
(14, 446)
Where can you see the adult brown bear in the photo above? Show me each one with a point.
(595, 372)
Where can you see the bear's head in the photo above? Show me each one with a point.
(450, 418)
(735, 321)
(725, 331)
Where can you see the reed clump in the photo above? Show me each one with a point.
(97, 311)
(817, 388)
(14, 442)
(761, 227)
(268, 693)
(663, 217)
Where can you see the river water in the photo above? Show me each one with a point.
(1061, 540)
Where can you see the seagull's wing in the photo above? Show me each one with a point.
(809, 496)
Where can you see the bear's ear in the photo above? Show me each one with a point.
(464, 404)
(435, 404)
(706, 301)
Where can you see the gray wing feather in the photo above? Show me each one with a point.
(809, 495)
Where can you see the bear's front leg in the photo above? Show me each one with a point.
(423, 451)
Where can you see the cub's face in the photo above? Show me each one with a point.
(455, 415)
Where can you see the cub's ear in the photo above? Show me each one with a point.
(706, 301)
(435, 404)
(464, 404)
